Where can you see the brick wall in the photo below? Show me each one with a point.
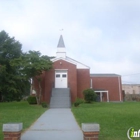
(48, 80)
(79, 80)
(83, 81)
(112, 84)
(72, 76)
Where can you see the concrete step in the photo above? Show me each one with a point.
(60, 98)
(60, 92)
(60, 106)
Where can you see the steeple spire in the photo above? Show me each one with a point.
(61, 52)
(61, 42)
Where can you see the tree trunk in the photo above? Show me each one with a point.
(40, 92)
(37, 99)
(31, 87)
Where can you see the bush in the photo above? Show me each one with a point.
(89, 95)
(44, 104)
(78, 102)
(32, 100)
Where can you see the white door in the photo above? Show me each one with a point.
(61, 79)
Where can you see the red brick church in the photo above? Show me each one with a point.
(76, 76)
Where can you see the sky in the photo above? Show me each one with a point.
(103, 34)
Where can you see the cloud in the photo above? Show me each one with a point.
(102, 34)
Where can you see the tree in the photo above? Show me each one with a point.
(12, 84)
(18, 69)
(32, 65)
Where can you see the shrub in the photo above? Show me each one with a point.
(89, 95)
(44, 104)
(32, 100)
(78, 102)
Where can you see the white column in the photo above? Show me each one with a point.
(101, 96)
(107, 97)
(91, 83)
(120, 89)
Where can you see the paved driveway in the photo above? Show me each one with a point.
(54, 124)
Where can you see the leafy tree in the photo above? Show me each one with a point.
(12, 83)
(32, 65)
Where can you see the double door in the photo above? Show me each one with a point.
(61, 79)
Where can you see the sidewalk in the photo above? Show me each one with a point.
(54, 124)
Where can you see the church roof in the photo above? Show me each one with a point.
(70, 60)
(61, 42)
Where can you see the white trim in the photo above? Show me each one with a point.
(56, 59)
(61, 69)
(78, 62)
(72, 61)
(119, 89)
(101, 96)
(103, 91)
(107, 97)
(91, 83)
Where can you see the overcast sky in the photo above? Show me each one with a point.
(103, 34)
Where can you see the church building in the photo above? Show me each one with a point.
(68, 73)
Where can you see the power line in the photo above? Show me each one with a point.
(131, 74)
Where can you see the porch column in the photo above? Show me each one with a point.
(91, 83)
(101, 96)
(107, 97)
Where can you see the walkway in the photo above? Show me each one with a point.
(54, 124)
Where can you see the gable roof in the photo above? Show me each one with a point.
(61, 42)
(79, 64)
(105, 75)
(61, 58)
(70, 60)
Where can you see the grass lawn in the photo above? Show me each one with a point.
(114, 118)
(19, 112)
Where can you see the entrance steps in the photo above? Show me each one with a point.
(60, 98)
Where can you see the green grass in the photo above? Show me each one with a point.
(19, 112)
(114, 118)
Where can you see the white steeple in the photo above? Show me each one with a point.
(61, 50)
